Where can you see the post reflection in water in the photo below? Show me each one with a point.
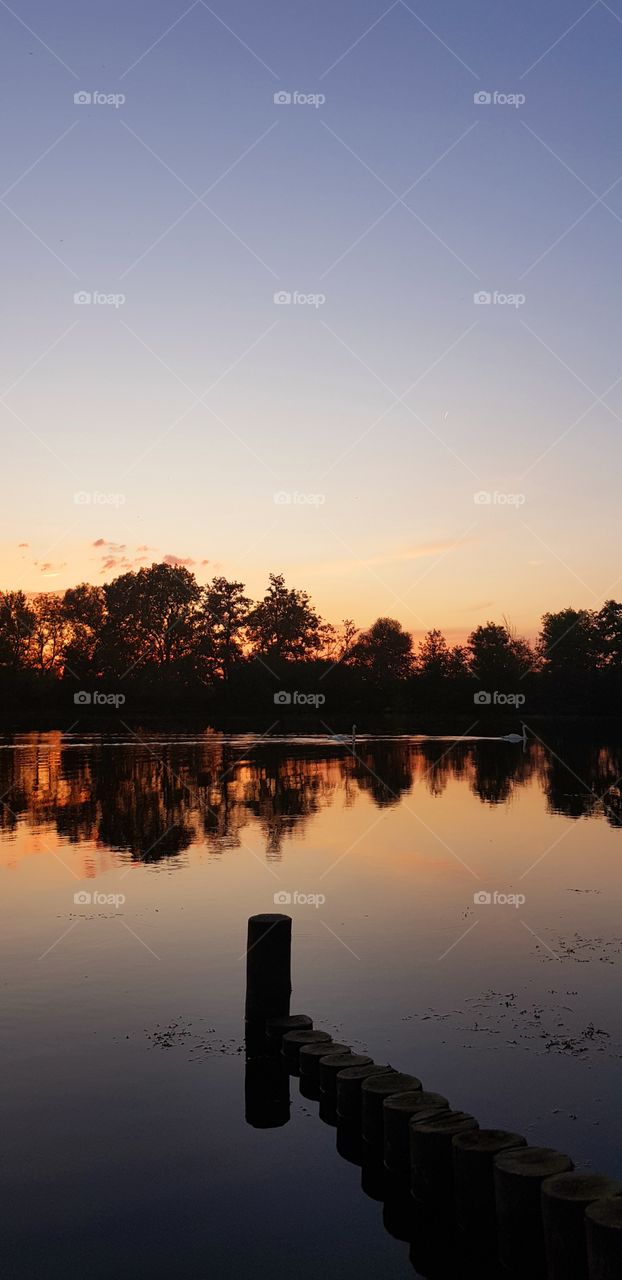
(156, 800)
(426, 1226)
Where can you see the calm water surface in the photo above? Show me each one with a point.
(125, 1148)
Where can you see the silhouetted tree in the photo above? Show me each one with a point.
(221, 624)
(85, 610)
(50, 633)
(384, 652)
(433, 656)
(17, 620)
(497, 658)
(568, 641)
(150, 617)
(608, 637)
(285, 624)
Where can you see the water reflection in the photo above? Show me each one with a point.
(155, 799)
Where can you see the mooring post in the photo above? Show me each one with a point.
(431, 1163)
(474, 1186)
(374, 1090)
(518, 1177)
(398, 1111)
(603, 1224)
(278, 1028)
(565, 1199)
(333, 1063)
(349, 1082)
(268, 967)
(294, 1041)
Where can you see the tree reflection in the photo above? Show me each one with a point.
(155, 799)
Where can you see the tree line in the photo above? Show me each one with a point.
(157, 632)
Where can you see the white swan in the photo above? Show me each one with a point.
(343, 737)
(517, 737)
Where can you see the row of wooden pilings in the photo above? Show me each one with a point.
(468, 1201)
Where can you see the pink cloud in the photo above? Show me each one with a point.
(176, 562)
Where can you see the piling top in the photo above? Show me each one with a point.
(389, 1082)
(606, 1213)
(335, 1062)
(533, 1162)
(269, 918)
(488, 1141)
(306, 1035)
(321, 1049)
(584, 1187)
(413, 1100)
(362, 1072)
(447, 1123)
(280, 1026)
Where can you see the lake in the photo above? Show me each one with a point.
(456, 911)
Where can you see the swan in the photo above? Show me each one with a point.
(343, 737)
(516, 737)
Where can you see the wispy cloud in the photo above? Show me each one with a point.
(395, 556)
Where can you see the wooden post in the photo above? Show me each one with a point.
(333, 1063)
(268, 967)
(398, 1110)
(294, 1041)
(518, 1177)
(603, 1223)
(349, 1082)
(431, 1152)
(277, 1028)
(564, 1201)
(309, 1066)
(311, 1054)
(474, 1185)
(374, 1090)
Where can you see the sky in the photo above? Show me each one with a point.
(314, 289)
